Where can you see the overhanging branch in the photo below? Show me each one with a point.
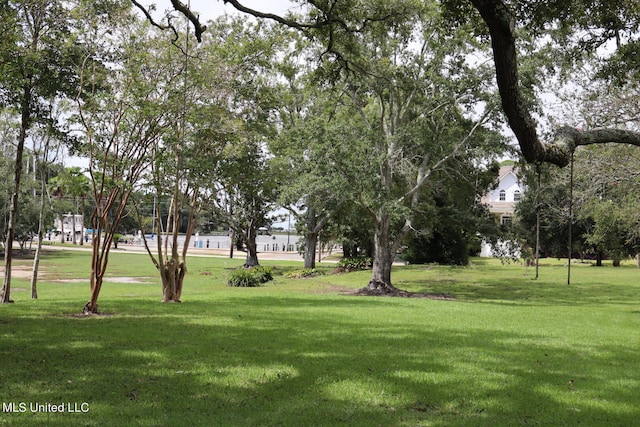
(195, 20)
(180, 7)
(501, 24)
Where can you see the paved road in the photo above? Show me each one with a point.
(265, 248)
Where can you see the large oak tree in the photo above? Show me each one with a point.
(601, 20)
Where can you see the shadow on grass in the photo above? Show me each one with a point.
(490, 282)
(314, 361)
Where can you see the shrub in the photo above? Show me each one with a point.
(449, 248)
(249, 277)
(301, 274)
(355, 263)
(242, 278)
(263, 274)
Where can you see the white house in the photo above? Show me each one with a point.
(503, 199)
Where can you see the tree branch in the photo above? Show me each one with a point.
(501, 24)
(180, 7)
(195, 20)
(289, 23)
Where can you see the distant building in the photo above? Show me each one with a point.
(503, 199)
(66, 225)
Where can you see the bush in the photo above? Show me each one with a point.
(249, 277)
(263, 274)
(450, 248)
(355, 263)
(301, 274)
(243, 278)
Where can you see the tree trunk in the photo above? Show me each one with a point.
(61, 228)
(73, 226)
(383, 255)
(36, 258)
(91, 307)
(104, 222)
(13, 210)
(251, 246)
(311, 241)
(82, 224)
(172, 274)
(314, 224)
(311, 238)
(347, 250)
(97, 273)
(252, 255)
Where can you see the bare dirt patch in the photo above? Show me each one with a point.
(330, 289)
(401, 294)
(19, 271)
(123, 279)
(90, 315)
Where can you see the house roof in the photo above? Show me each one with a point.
(505, 170)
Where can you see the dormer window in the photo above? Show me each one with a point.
(503, 195)
(516, 196)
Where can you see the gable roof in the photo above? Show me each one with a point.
(506, 170)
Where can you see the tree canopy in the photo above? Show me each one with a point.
(340, 23)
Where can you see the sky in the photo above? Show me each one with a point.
(209, 9)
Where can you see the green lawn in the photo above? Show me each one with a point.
(298, 352)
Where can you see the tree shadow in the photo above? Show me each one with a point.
(305, 360)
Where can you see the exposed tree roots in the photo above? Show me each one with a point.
(378, 289)
(87, 309)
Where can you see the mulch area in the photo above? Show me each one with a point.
(400, 294)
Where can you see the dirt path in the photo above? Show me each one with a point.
(19, 271)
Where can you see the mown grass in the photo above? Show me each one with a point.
(508, 351)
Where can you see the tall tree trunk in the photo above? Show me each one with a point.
(13, 210)
(97, 269)
(383, 256)
(314, 224)
(252, 255)
(105, 224)
(180, 275)
(36, 258)
(82, 230)
(96, 284)
(73, 224)
(175, 268)
(252, 247)
(62, 228)
(310, 244)
(311, 239)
